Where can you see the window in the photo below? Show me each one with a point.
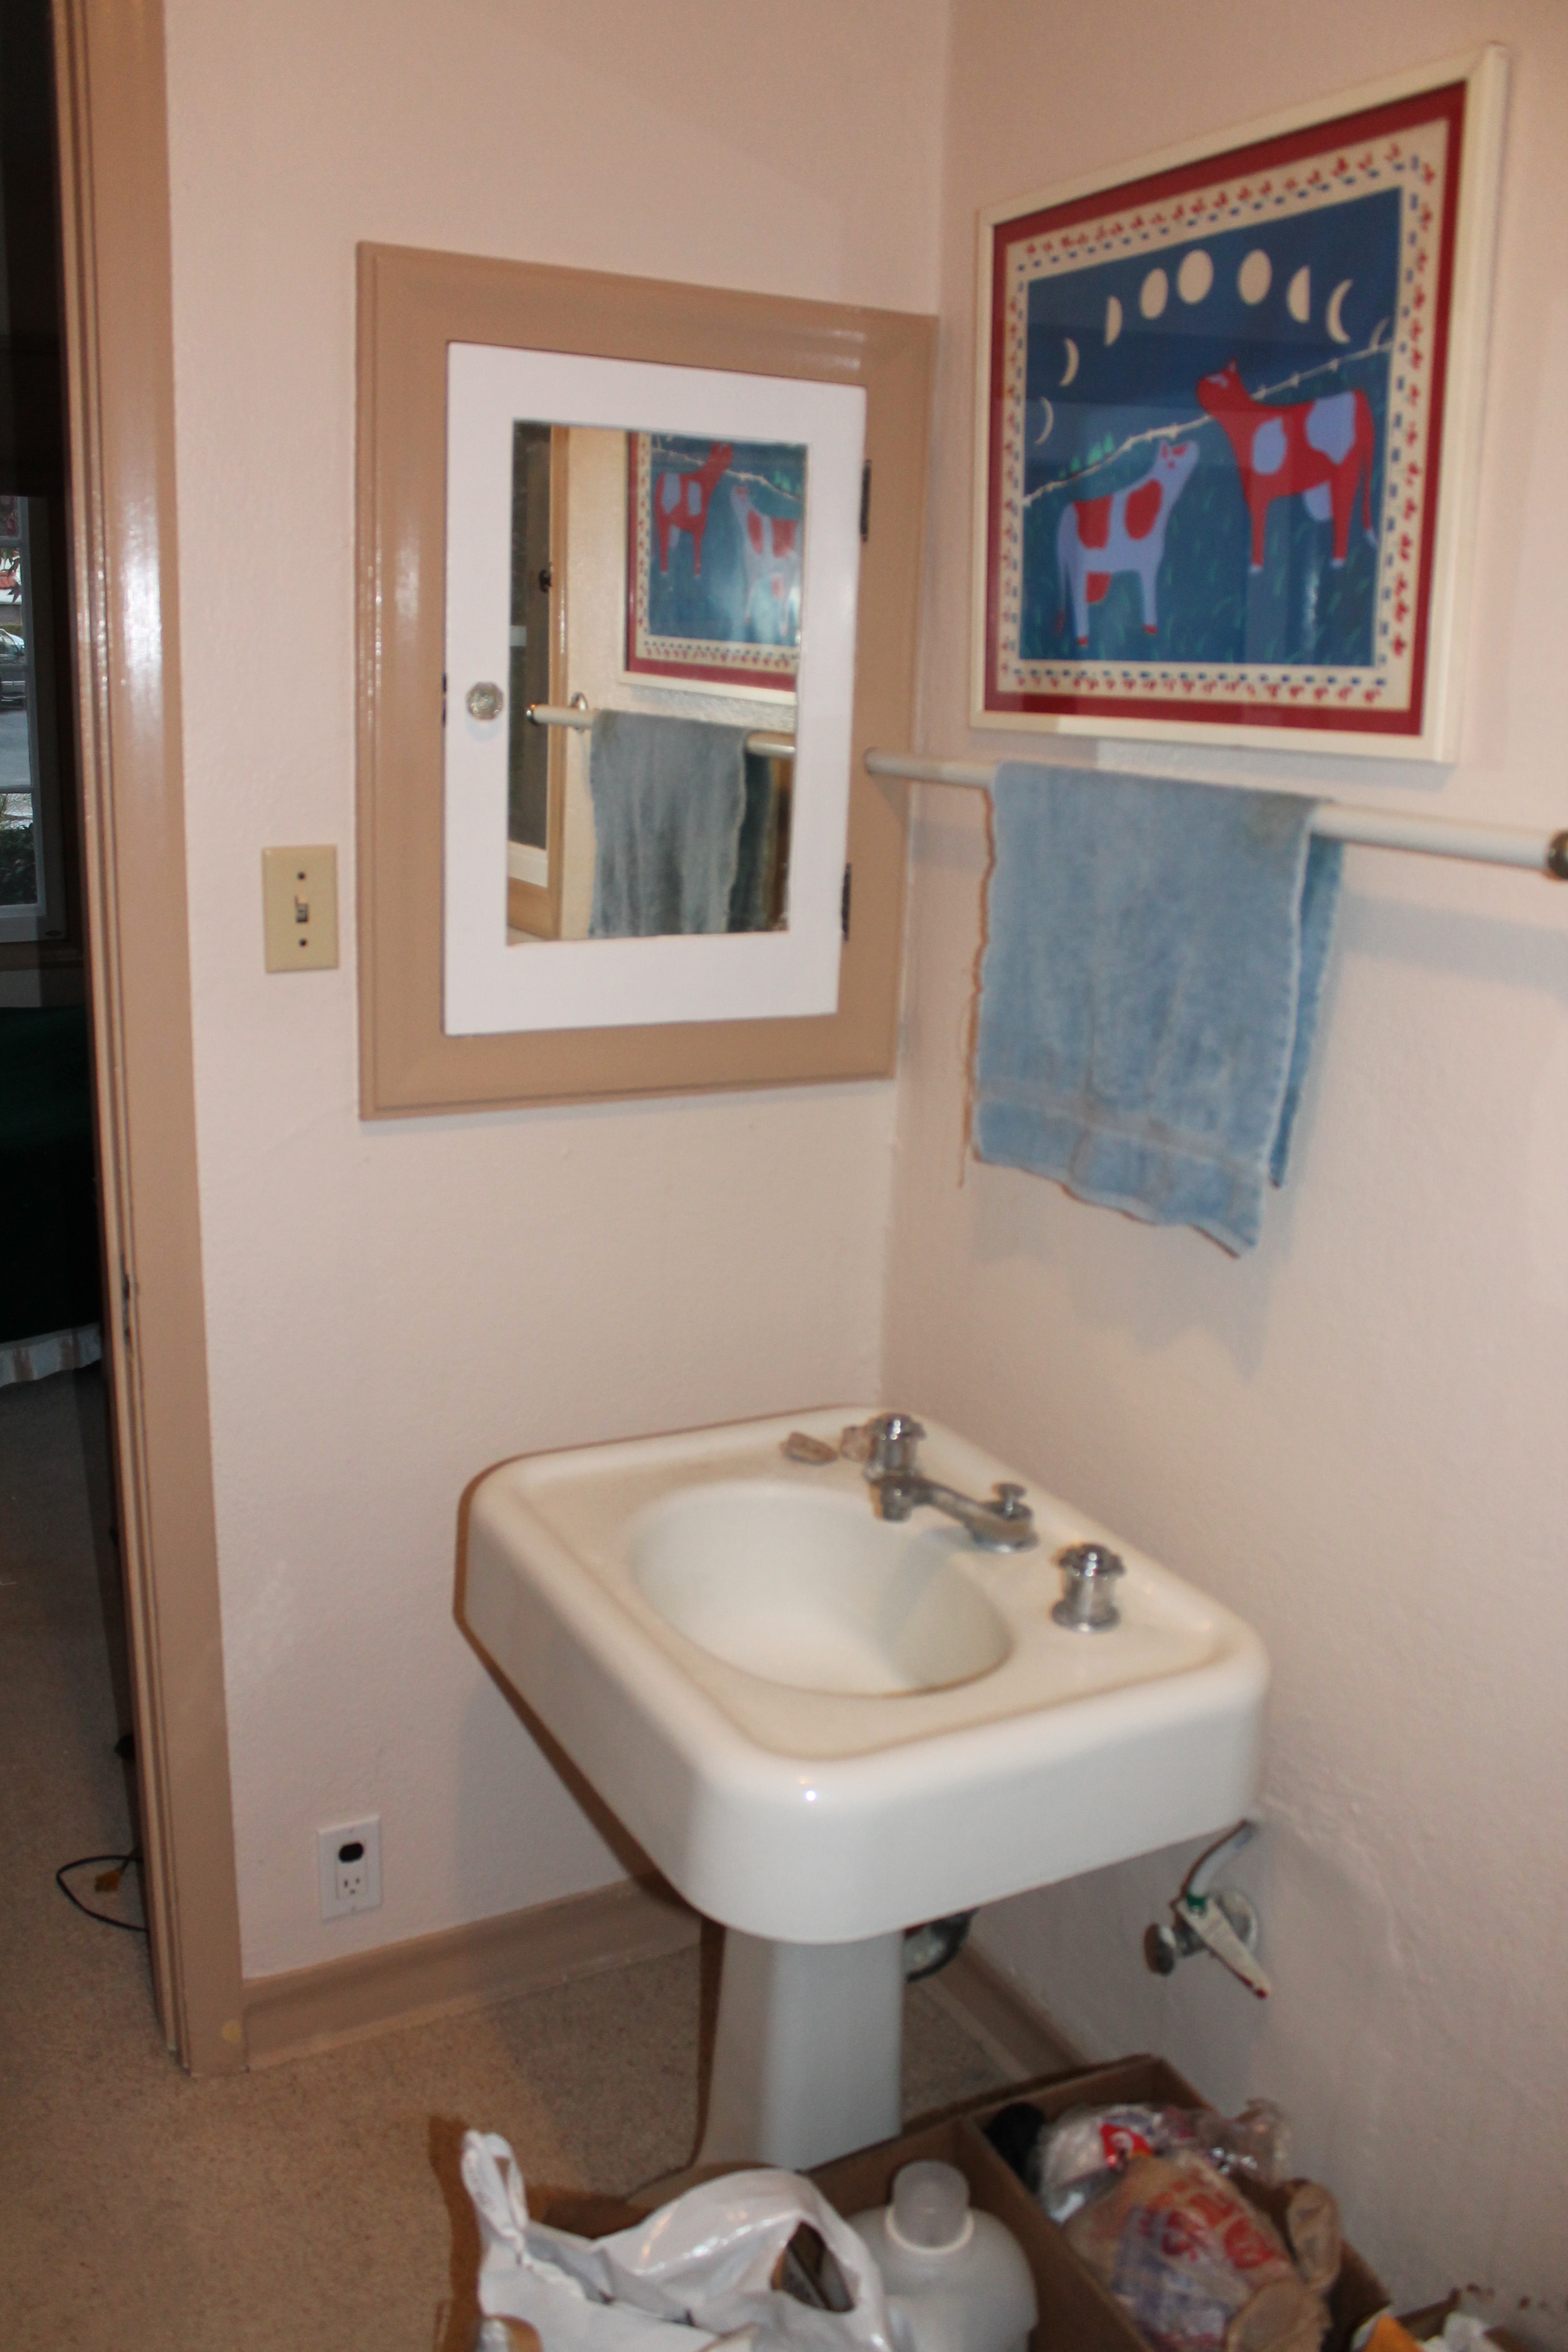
(32, 898)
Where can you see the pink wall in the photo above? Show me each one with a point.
(1354, 1437)
(393, 1307)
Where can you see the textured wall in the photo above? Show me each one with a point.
(393, 1307)
(1355, 1436)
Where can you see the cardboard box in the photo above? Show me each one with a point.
(1076, 2313)
(1358, 2295)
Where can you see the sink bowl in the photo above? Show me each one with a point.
(810, 1589)
(824, 1727)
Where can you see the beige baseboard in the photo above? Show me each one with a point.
(308, 2010)
(1012, 2029)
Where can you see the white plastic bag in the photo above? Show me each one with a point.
(698, 2269)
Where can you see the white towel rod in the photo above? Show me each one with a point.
(578, 716)
(1434, 836)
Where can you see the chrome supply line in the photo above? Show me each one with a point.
(578, 716)
(1370, 828)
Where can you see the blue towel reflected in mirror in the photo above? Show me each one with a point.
(686, 828)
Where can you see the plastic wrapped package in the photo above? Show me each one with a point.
(730, 2259)
(1077, 2157)
(1196, 2267)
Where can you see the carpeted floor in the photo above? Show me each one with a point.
(313, 2206)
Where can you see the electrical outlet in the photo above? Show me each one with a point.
(349, 1861)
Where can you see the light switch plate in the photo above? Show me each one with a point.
(300, 904)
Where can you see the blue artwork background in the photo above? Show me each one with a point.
(713, 607)
(1212, 607)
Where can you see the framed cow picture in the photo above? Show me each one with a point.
(1228, 424)
(715, 543)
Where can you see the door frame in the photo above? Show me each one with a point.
(119, 333)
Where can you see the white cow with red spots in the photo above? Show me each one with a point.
(1124, 531)
(770, 553)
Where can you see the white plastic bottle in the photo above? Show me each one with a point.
(956, 2280)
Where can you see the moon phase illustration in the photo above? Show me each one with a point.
(1254, 276)
(1045, 432)
(1153, 294)
(1112, 319)
(1071, 365)
(1331, 317)
(1299, 296)
(1195, 274)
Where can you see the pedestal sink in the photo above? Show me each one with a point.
(824, 1727)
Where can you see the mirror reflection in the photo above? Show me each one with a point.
(655, 630)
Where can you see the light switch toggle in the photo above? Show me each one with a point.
(300, 905)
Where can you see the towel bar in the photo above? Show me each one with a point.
(579, 717)
(1486, 844)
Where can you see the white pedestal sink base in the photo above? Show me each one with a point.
(805, 2057)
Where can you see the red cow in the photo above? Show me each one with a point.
(1321, 450)
(680, 502)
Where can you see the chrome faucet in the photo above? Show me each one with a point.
(888, 1448)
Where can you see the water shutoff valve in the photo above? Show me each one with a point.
(1204, 1917)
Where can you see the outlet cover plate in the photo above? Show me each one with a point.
(350, 1882)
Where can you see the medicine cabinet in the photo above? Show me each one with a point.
(523, 431)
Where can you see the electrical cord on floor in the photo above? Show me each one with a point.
(105, 1886)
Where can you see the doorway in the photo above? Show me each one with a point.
(59, 1561)
(112, 360)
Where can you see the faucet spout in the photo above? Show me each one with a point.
(888, 1447)
(1003, 1523)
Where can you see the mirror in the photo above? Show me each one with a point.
(651, 585)
(643, 831)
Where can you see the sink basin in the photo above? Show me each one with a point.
(809, 1589)
(823, 1726)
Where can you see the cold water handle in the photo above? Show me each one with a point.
(1088, 1604)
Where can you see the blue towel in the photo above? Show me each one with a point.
(669, 798)
(1150, 989)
